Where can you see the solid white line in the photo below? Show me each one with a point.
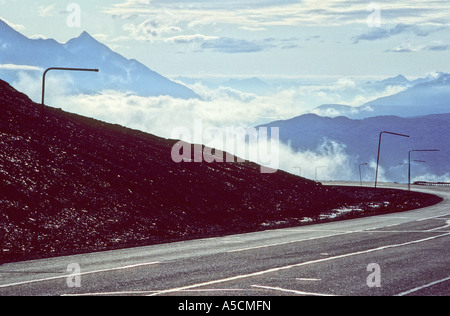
(442, 227)
(273, 270)
(79, 274)
(371, 230)
(427, 218)
(287, 242)
(111, 293)
(308, 279)
(291, 291)
(423, 287)
(154, 291)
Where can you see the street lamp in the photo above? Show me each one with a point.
(379, 151)
(360, 174)
(409, 163)
(61, 68)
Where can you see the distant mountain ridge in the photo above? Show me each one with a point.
(423, 96)
(400, 79)
(360, 139)
(116, 72)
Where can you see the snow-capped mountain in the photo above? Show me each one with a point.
(423, 96)
(399, 80)
(116, 72)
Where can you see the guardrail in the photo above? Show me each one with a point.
(435, 184)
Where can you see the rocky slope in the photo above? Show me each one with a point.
(70, 184)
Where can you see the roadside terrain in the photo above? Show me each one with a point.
(70, 184)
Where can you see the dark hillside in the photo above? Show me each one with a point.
(70, 184)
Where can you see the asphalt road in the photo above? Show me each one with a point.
(396, 254)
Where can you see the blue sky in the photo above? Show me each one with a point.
(284, 38)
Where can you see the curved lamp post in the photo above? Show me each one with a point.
(360, 173)
(409, 163)
(379, 151)
(61, 68)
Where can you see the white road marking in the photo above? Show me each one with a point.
(291, 291)
(423, 287)
(371, 230)
(286, 242)
(308, 279)
(150, 292)
(427, 218)
(273, 270)
(111, 293)
(439, 228)
(79, 274)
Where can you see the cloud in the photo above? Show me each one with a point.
(234, 27)
(230, 45)
(159, 115)
(150, 29)
(409, 47)
(189, 39)
(376, 34)
(233, 46)
(406, 47)
(39, 37)
(19, 67)
(261, 14)
(432, 178)
(17, 27)
(220, 108)
(47, 11)
(30, 84)
(438, 48)
(329, 161)
(217, 106)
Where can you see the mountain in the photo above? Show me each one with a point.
(431, 97)
(360, 139)
(423, 96)
(428, 78)
(335, 110)
(399, 80)
(116, 72)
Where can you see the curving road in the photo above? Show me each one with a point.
(396, 254)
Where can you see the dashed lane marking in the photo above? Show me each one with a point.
(273, 270)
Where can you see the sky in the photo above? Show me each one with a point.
(267, 39)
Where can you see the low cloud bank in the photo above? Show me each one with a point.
(220, 109)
